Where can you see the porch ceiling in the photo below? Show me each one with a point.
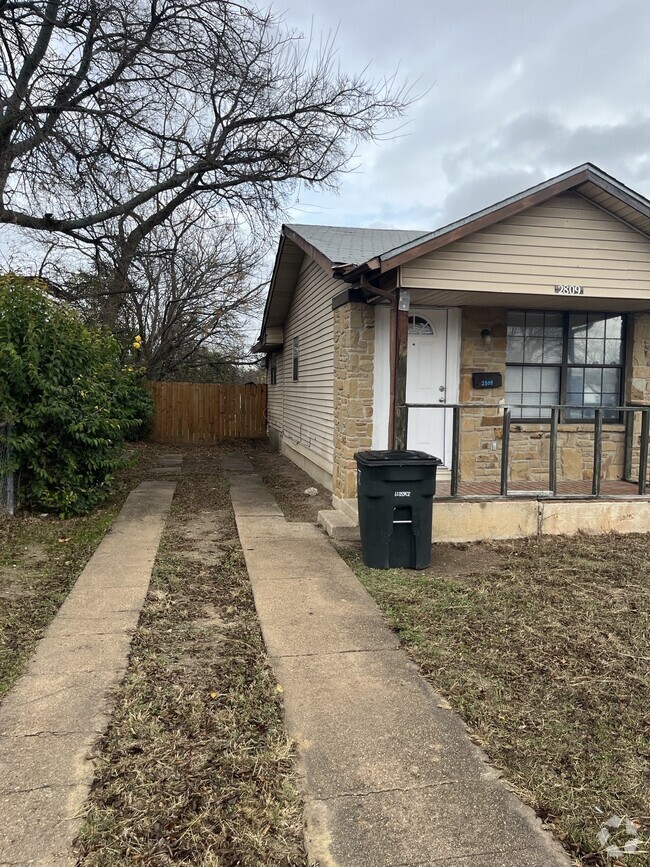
(464, 298)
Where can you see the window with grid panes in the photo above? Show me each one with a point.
(569, 358)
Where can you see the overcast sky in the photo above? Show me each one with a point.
(516, 91)
(519, 91)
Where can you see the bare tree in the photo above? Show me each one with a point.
(114, 113)
(190, 295)
(195, 293)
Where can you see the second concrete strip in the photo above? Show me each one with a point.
(390, 775)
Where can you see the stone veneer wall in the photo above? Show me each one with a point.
(529, 444)
(354, 353)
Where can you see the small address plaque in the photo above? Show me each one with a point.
(487, 380)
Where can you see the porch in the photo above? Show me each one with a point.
(496, 506)
(630, 425)
(571, 490)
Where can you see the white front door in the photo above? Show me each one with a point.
(429, 381)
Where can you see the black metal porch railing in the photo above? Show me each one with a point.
(552, 423)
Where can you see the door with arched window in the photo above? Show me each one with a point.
(427, 382)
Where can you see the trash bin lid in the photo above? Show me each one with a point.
(396, 458)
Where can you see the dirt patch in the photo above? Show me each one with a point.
(196, 767)
(448, 560)
(35, 552)
(208, 538)
(16, 582)
(542, 645)
(288, 484)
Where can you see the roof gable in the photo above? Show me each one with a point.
(587, 180)
(566, 240)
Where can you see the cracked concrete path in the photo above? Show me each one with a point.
(54, 714)
(389, 773)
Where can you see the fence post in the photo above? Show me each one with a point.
(598, 454)
(643, 456)
(455, 452)
(629, 444)
(552, 451)
(505, 448)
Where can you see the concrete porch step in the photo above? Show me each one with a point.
(349, 507)
(338, 525)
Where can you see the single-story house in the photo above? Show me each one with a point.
(512, 344)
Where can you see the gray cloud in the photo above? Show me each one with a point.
(518, 92)
(535, 146)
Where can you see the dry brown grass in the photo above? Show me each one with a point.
(196, 767)
(543, 647)
(41, 557)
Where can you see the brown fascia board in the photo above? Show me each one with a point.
(300, 242)
(309, 249)
(614, 187)
(496, 213)
(623, 194)
(269, 297)
(482, 221)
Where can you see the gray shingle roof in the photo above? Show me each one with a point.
(348, 246)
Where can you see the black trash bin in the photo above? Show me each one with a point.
(395, 491)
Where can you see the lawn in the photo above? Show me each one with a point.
(543, 648)
(41, 557)
(196, 767)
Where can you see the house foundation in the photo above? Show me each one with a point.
(464, 520)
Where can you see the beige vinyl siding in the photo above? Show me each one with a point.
(567, 240)
(308, 405)
(274, 394)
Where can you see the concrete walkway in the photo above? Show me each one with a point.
(58, 709)
(390, 775)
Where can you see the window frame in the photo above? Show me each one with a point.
(564, 366)
(295, 360)
(273, 369)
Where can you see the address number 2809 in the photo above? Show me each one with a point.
(569, 290)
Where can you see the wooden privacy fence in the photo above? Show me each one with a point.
(201, 412)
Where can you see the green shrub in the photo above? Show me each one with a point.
(70, 401)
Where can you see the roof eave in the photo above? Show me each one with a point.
(620, 191)
(326, 264)
(353, 274)
(269, 297)
(265, 346)
(288, 234)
